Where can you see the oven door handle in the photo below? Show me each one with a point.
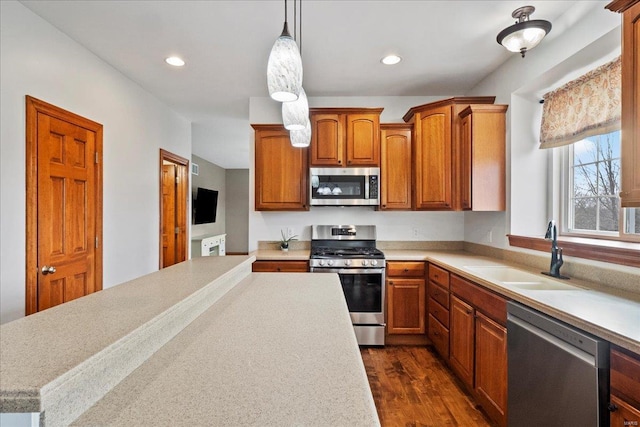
(348, 270)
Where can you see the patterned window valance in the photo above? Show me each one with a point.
(589, 105)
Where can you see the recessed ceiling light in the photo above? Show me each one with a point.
(175, 61)
(391, 59)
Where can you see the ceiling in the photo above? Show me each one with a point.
(447, 48)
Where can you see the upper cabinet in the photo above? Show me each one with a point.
(630, 9)
(482, 158)
(281, 171)
(345, 136)
(395, 167)
(436, 152)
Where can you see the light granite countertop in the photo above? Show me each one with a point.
(607, 312)
(160, 349)
(282, 352)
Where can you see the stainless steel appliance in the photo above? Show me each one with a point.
(345, 186)
(558, 375)
(350, 251)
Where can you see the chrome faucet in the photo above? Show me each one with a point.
(556, 252)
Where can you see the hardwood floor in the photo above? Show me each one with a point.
(412, 387)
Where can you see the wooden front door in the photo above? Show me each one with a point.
(64, 206)
(173, 208)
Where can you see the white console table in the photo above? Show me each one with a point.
(208, 246)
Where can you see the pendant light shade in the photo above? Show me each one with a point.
(295, 114)
(284, 70)
(301, 138)
(524, 35)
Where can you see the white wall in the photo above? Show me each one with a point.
(38, 60)
(212, 177)
(589, 33)
(238, 210)
(405, 225)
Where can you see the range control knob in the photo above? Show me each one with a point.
(347, 262)
(321, 262)
(374, 262)
(364, 262)
(330, 262)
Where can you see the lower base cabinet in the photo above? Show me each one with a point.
(491, 367)
(625, 388)
(406, 298)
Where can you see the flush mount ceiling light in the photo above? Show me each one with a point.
(391, 60)
(175, 61)
(284, 70)
(524, 35)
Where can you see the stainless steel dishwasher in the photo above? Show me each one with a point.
(557, 375)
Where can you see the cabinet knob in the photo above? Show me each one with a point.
(391, 283)
(339, 161)
(612, 407)
(384, 206)
(468, 311)
(278, 268)
(406, 270)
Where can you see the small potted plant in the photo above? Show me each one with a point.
(284, 242)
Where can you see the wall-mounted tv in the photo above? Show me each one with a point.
(205, 206)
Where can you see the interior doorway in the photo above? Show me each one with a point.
(174, 184)
(63, 206)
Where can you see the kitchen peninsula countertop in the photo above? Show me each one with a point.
(607, 312)
(205, 342)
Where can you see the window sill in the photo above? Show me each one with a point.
(616, 252)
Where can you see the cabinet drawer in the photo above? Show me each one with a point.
(625, 375)
(280, 267)
(439, 294)
(405, 269)
(439, 312)
(439, 335)
(494, 306)
(439, 275)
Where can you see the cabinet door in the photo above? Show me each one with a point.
(327, 139)
(464, 176)
(363, 140)
(461, 328)
(406, 306)
(395, 168)
(630, 158)
(432, 148)
(491, 367)
(624, 414)
(281, 171)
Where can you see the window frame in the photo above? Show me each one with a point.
(566, 208)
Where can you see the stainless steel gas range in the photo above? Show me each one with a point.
(350, 251)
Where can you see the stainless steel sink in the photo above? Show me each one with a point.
(519, 279)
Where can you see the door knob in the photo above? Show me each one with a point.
(48, 269)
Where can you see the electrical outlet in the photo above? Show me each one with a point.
(414, 232)
(290, 232)
(490, 236)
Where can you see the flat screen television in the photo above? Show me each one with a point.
(205, 206)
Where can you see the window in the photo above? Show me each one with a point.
(592, 202)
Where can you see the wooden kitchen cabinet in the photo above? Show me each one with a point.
(478, 337)
(281, 171)
(345, 136)
(406, 298)
(482, 161)
(630, 158)
(438, 306)
(280, 266)
(395, 166)
(625, 388)
(436, 151)
(462, 336)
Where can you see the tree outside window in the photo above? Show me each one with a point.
(594, 188)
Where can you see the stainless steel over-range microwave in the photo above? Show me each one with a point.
(345, 186)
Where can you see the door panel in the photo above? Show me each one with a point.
(66, 211)
(168, 215)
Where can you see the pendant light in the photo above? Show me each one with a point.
(284, 69)
(301, 138)
(295, 114)
(524, 35)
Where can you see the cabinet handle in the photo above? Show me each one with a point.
(339, 161)
(391, 283)
(384, 206)
(612, 407)
(278, 268)
(437, 334)
(436, 276)
(406, 270)
(469, 312)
